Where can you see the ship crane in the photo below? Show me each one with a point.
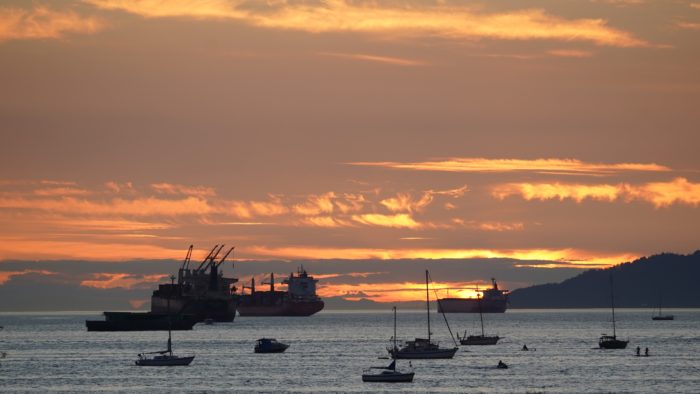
(217, 265)
(210, 258)
(188, 257)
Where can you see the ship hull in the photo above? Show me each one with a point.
(134, 321)
(469, 305)
(285, 309)
(219, 310)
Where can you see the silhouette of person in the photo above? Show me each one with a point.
(646, 352)
(638, 350)
(525, 348)
(501, 364)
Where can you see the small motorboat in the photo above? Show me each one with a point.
(269, 345)
(502, 365)
(388, 374)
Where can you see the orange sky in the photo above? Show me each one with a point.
(559, 133)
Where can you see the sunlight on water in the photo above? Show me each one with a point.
(54, 352)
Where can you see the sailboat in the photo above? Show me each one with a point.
(660, 316)
(482, 339)
(165, 357)
(611, 341)
(388, 373)
(422, 348)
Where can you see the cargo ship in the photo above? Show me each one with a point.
(300, 299)
(201, 293)
(494, 300)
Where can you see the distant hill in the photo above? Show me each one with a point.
(675, 278)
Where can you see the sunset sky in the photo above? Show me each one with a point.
(549, 136)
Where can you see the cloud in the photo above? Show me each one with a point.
(326, 221)
(574, 53)
(395, 61)
(137, 207)
(400, 220)
(379, 18)
(550, 166)
(61, 191)
(7, 275)
(33, 249)
(403, 202)
(316, 204)
(122, 280)
(660, 194)
(688, 25)
(172, 188)
(576, 256)
(42, 22)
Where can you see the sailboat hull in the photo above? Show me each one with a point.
(389, 377)
(612, 343)
(165, 361)
(666, 317)
(475, 340)
(427, 354)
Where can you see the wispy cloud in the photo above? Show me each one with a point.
(173, 188)
(122, 280)
(552, 166)
(449, 22)
(400, 220)
(689, 25)
(574, 53)
(41, 22)
(575, 256)
(7, 275)
(394, 61)
(660, 194)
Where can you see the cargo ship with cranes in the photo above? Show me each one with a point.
(201, 293)
(299, 299)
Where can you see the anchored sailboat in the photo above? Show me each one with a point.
(389, 373)
(422, 348)
(482, 339)
(165, 357)
(660, 316)
(611, 341)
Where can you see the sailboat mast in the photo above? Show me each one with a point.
(481, 315)
(427, 302)
(394, 330)
(612, 302)
(170, 342)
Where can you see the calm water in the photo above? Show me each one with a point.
(53, 352)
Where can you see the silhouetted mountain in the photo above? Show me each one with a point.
(675, 278)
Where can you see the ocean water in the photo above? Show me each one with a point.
(53, 352)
